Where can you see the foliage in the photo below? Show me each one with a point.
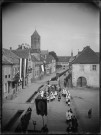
(54, 55)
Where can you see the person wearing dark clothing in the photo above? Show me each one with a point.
(25, 119)
(59, 97)
(74, 124)
(19, 128)
(71, 110)
(44, 129)
(90, 113)
(69, 128)
(55, 87)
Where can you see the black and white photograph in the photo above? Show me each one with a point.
(50, 68)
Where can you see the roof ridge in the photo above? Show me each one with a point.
(80, 56)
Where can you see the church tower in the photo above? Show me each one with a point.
(35, 41)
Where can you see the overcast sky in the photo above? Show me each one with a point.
(62, 26)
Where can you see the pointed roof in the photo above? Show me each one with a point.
(87, 56)
(35, 34)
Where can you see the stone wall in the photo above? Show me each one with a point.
(85, 70)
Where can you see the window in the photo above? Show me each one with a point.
(8, 76)
(5, 76)
(94, 67)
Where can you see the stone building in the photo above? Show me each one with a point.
(25, 65)
(85, 69)
(10, 73)
(63, 62)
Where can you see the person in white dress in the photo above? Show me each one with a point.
(68, 116)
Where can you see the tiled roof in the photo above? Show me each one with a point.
(34, 59)
(87, 56)
(11, 57)
(5, 61)
(49, 58)
(22, 53)
(72, 59)
(64, 58)
(97, 54)
(42, 58)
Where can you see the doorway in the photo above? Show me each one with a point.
(81, 82)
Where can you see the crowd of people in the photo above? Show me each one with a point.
(50, 92)
(71, 120)
(24, 122)
(72, 123)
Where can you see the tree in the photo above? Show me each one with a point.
(54, 55)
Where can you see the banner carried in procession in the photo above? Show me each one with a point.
(41, 106)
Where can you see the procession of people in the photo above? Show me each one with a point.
(71, 120)
(50, 92)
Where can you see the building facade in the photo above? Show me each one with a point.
(25, 65)
(36, 69)
(63, 62)
(49, 63)
(85, 69)
(10, 73)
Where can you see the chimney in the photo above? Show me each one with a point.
(10, 48)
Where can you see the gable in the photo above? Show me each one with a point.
(87, 56)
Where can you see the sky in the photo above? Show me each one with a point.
(63, 27)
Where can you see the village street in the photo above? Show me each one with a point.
(82, 99)
(10, 107)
